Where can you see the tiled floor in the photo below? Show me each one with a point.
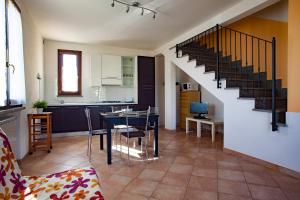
(188, 168)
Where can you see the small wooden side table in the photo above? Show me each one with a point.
(212, 122)
(40, 131)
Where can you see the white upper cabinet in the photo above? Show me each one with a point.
(111, 72)
(96, 70)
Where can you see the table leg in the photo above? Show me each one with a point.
(198, 129)
(213, 133)
(187, 128)
(50, 131)
(156, 139)
(30, 135)
(101, 142)
(108, 144)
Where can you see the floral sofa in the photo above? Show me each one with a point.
(72, 184)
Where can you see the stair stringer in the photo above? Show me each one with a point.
(245, 131)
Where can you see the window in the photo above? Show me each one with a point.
(12, 82)
(69, 73)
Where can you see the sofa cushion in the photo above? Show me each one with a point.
(72, 184)
(12, 184)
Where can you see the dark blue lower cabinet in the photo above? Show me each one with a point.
(72, 118)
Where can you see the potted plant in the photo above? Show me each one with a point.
(40, 105)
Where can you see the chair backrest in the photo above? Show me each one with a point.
(89, 121)
(12, 184)
(119, 108)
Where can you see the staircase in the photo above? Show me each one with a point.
(240, 61)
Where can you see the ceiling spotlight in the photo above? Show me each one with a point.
(134, 4)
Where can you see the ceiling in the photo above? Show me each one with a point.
(96, 22)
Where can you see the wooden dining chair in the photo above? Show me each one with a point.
(92, 132)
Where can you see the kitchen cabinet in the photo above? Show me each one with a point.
(146, 82)
(95, 70)
(128, 70)
(72, 118)
(111, 70)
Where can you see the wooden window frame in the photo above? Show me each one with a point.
(60, 53)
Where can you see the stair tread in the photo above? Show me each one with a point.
(269, 110)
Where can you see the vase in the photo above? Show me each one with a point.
(39, 110)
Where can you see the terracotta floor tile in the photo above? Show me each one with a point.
(184, 160)
(205, 163)
(229, 165)
(260, 179)
(128, 196)
(181, 169)
(203, 183)
(168, 192)
(231, 175)
(122, 180)
(205, 172)
(176, 179)
(159, 165)
(247, 166)
(130, 171)
(170, 175)
(288, 183)
(292, 195)
(233, 187)
(196, 194)
(223, 196)
(141, 187)
(266, 193)
(150, 174)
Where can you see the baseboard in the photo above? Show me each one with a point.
(264, 163)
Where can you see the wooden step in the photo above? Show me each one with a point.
(266, 103)
(260, 92)
(251, 83)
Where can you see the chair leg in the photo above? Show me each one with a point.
(90, 148)
(146, 149)
(128, 152)
(120, 147)
(101, 142)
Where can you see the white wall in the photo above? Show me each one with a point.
(33, 63)
(236, 12)
(88, 93)
(247, 131)
(216, 107)
(160, 87)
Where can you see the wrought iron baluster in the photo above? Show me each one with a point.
(235, 54)
(218, 57)
(274, 120)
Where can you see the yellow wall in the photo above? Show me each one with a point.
(265, 29)
(294, 56)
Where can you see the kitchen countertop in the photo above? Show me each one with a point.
(90, 103)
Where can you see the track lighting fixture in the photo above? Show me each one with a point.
(135, 4)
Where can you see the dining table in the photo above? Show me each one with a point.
(110, 120)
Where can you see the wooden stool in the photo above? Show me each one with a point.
(40, 131)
